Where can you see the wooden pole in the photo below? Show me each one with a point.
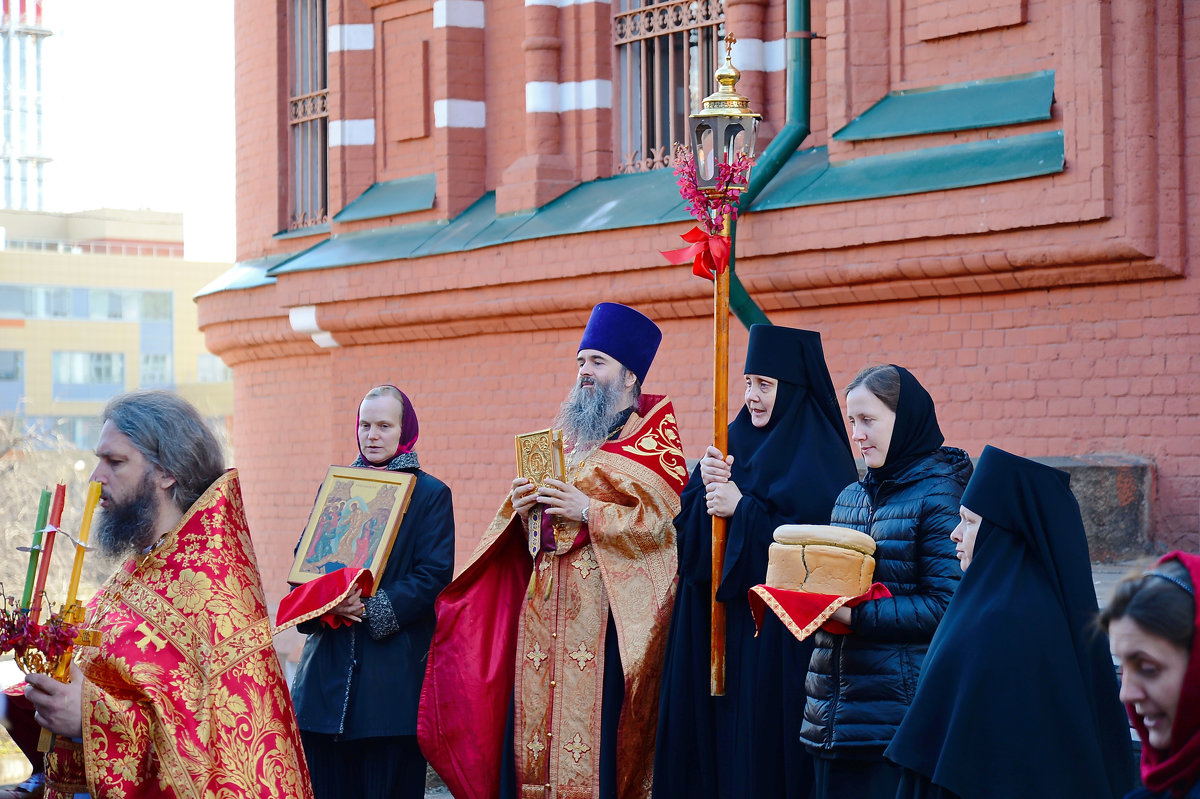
(721, 442)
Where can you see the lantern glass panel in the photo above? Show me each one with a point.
(703, 141)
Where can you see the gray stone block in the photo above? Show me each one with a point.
(1115, 494)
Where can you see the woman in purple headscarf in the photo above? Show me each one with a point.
(358, 684)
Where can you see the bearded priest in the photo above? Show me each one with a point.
(179, 692)
(544, 671)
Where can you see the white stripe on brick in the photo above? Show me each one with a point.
(351, 132)
(755, 55)
(562, 3)
(303, 319)
(458, 13)
(459, 114)
(546, 96)
(351, 37)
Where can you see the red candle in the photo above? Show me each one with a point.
(56, 509)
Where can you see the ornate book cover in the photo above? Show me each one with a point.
(540, 456)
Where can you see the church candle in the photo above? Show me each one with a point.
(35, 548)
(56, 509)
(85, 529)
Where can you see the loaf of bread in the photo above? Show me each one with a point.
(820, 559)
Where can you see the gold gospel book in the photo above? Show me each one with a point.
(540, 456)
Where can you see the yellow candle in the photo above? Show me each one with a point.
(85, 528)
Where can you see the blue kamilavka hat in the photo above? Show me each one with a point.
(622, 333)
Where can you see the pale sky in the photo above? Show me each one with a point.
(139, 112)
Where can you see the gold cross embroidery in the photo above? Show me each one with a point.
(151, 637)
(582, 657)
(577, 748)
(536, 656)
(536, 747)
(586, 563)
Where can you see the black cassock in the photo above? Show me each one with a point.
(746, 743)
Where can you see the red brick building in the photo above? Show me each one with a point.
(994, 193)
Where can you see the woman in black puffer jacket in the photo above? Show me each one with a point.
(859, 685)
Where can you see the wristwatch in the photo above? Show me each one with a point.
(583, 516)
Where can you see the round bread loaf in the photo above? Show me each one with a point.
(820, 559)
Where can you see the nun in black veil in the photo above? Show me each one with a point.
(1017, 696)
(788, 459)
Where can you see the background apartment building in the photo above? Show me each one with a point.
(95, 303)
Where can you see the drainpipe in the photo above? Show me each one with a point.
(794, 132)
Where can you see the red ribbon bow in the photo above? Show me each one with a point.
(708, 252)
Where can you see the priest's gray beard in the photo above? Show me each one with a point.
(588, 414)
(128, 527)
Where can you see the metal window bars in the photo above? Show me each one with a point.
(665, 57)
(308, 116)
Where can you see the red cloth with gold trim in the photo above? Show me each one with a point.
(493, 617)
(804, 613)
(314, 599)
(184, 695)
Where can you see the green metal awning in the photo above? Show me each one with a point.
(391, 197)
(803, 182)
(243, 275)
(626, 201)
(955, 106)
(652, 198)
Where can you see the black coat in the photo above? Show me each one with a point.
(364, 680)
(860, 685)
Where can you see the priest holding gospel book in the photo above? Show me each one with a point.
(359, 679)
(543, 673)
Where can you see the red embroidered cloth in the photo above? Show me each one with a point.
(804, 613)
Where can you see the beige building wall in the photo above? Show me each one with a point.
(89, 254)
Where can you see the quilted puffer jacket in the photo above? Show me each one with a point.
(859, 685)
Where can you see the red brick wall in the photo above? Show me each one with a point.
(1049, 316)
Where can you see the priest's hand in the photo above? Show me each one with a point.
(563, 500)
(58, 706)
(843, 614)
(523, 496)
(350, 608)
(714, 468)
(722, 498)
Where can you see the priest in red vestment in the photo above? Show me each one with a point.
(182, 695)
(544, 671)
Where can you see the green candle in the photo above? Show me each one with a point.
(35, 549)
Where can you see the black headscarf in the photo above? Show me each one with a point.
(915, 433)
(1017, 695)
(794, 465)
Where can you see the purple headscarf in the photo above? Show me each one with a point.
(409, 428)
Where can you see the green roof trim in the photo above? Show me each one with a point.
(361, 247)
(652, 198)
(302, 232)
(390, 198)
(800, 183)
(243, 275)
(625, 201)
(955, 106)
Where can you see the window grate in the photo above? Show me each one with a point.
(308, 116)
(666, 54)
